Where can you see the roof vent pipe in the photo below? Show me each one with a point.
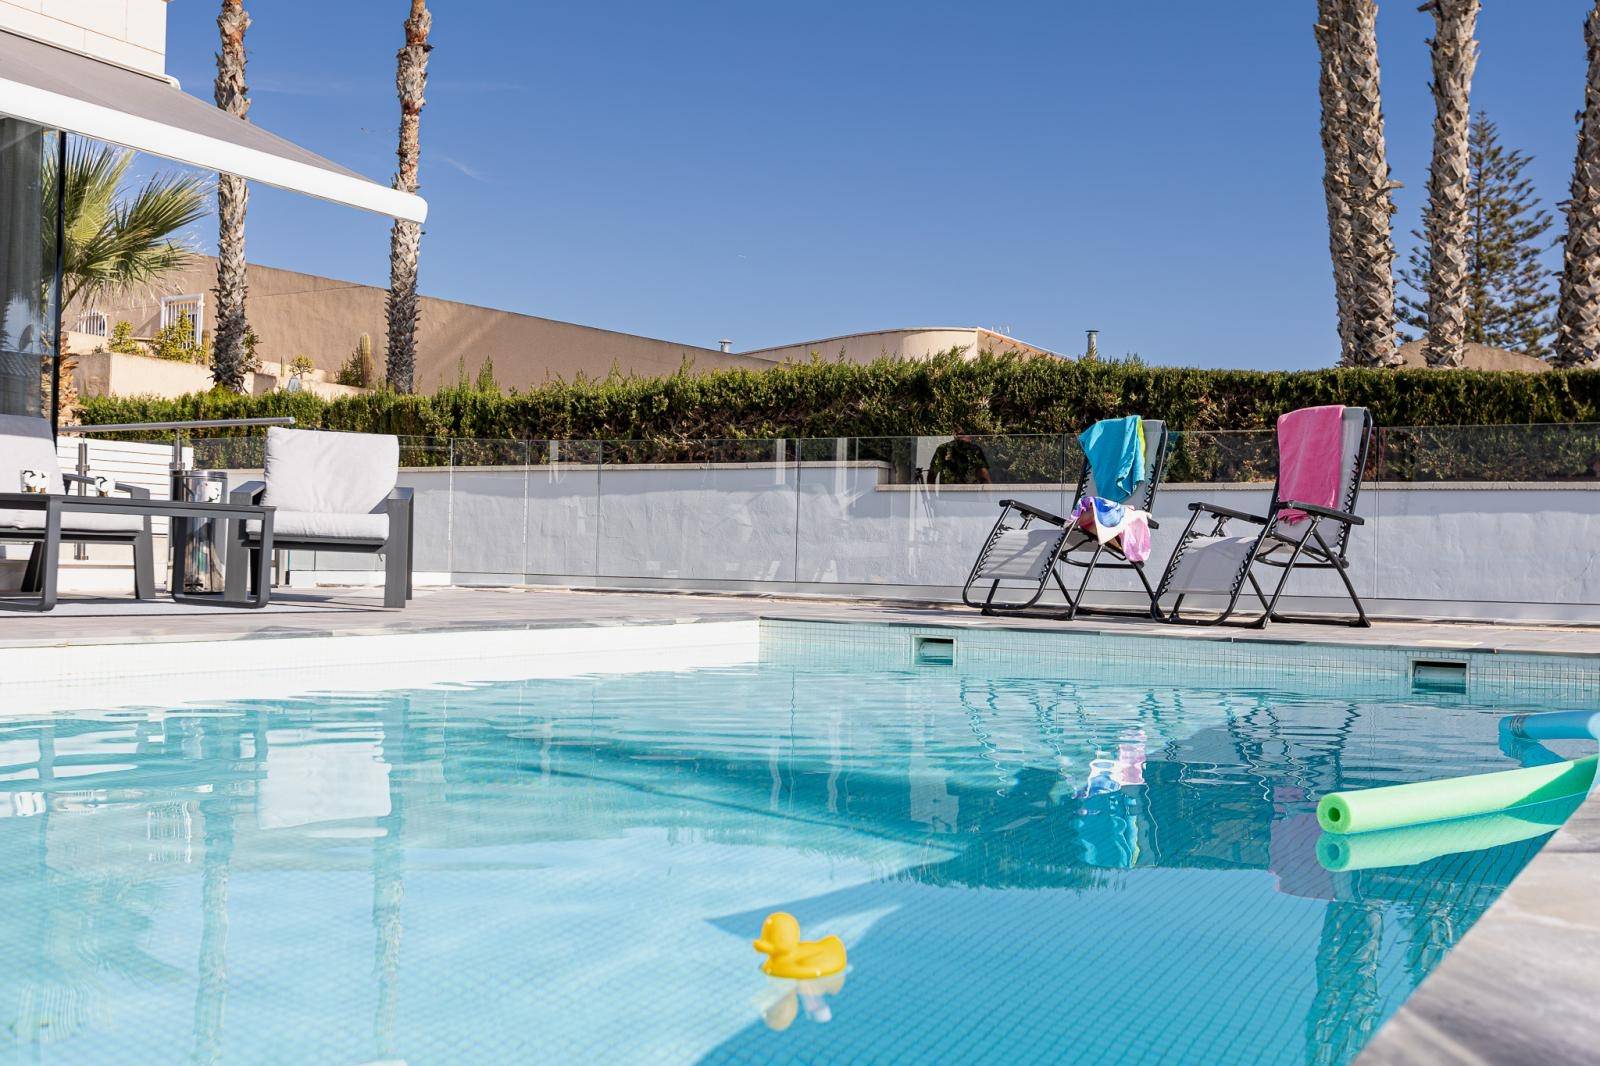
(725, 344)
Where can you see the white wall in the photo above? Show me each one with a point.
(130, 33)
(1464, 550)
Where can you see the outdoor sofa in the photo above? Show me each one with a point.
(332, 492)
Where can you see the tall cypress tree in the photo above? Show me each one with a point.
(1510, 300)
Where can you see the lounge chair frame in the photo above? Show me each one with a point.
(1088, 555)
(1272, 548)
(396, 549)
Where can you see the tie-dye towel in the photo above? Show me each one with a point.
(1109, 522)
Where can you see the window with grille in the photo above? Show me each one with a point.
(93, 323)
(192, 307)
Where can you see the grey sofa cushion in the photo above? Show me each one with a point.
(320, 473)
(290, 525)
(26, 444)
(72, 522)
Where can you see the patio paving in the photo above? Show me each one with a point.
(343, 611)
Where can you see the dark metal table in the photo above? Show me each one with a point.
(232, 515)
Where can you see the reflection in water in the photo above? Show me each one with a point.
(211, 991)
(573, 868)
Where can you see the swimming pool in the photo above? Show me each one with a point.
(1028, 863)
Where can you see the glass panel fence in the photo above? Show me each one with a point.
(706, 510)
(1525, 453)
(905, 512)
(563, 512)
(912, 510)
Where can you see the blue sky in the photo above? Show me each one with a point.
(778, 173)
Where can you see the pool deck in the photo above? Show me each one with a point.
(1520, 987)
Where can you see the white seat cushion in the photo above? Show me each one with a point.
(333, 486)
(26, 444)
(330, 473)
(287, 525)
(72, 522)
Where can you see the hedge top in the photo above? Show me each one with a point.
(989, 394)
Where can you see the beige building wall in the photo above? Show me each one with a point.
(907, 344)
(130, 33)
(304, 314)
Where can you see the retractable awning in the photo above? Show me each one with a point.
(64, 90)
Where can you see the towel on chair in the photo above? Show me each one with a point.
(1115, 450)
(1107, 521)
(1310, 451)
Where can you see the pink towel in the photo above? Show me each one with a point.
(1310, 452)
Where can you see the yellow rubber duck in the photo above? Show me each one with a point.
(789, 956)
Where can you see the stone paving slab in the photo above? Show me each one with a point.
(85, 620)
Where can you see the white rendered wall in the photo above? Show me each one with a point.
(1458, 550)
(130, 33)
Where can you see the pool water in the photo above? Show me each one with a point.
(572, 870)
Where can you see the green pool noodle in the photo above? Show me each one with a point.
(1371, 809)
(1413, 844)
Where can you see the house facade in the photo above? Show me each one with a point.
(298, 314)
(96, 70)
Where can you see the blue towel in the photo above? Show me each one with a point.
(1115, 450)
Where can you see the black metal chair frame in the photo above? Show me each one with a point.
(1310, 552)
(397, 549)
(1063, 553)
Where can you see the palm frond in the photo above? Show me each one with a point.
(115, 241)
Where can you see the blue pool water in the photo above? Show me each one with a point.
(572, 870)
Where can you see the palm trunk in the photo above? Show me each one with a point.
(1336, 169)
(1371, 207)
(1455, 56)
(1578, 314)
(228, 359)
(405, 241)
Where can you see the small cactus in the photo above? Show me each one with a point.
(358, 370)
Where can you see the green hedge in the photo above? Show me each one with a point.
(987, 395)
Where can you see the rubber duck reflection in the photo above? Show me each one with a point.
(805, 971)
(783, 1000)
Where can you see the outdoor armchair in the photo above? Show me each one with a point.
(1209, 559)
(26, 443)
(333, 492)
(1028, 545)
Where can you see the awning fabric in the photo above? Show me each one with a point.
(64, 90)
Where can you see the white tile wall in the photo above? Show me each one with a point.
(1532, 680)
(131, 33)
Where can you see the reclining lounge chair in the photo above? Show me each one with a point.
(1207, 560)
(1027, 544)
(333, 492)
(26, 444)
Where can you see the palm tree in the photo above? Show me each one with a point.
(1336, 168)
(228, 359)
(1372, 244)
(405, 241)
(1578, 312)
(117, 243)
(1455, 56)
(112, 244)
